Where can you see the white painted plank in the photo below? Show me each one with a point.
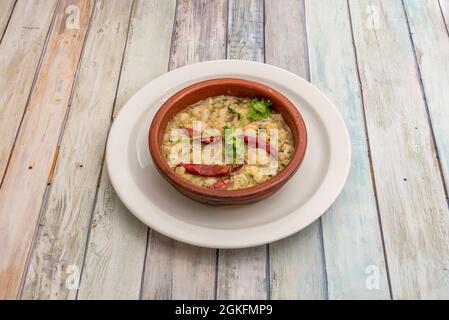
(117, 245)
(6, 7)
(63, 230)
(20, 51)
(444, 5)
(296, 263)
(413, 208)
(33, 155)
(175, 270)
(242, 273)
(431, 43)
(351, 234)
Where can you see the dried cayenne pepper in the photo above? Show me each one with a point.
(206, 170)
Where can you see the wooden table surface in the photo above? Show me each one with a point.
(68, 66)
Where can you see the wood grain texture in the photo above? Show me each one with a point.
(413, 208)
(242, 273)
(351, 234)
(32, 157)
(174, 270)
(429, 31)
(20, 52)
(116, 251)
(292, 276)
(67, 214)
(6, 7)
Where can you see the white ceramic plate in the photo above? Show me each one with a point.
(301, 201)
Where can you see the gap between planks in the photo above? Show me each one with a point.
(4, 20)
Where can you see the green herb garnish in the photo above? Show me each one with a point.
(231, 111)
(239, 115)
(233, 145)
(259, 109)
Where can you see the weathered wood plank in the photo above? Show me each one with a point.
(35, 148)
(444, 5)
(67, 214)
(429, 33)
(352, 238)
(413, 208)
(246, 30)
(20, 51)
(200, 30)
(291, 275)
(175, 270)
(117, 245)
(6, 7)
(242, 273)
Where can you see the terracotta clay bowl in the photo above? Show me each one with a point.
(238, 88)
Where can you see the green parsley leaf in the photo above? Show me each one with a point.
(259, 109)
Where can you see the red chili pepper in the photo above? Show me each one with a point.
(190, 133)
(206, 170)
(236, 167)
(246, 139)
(221, 184)
(267, 146)
(210, 140)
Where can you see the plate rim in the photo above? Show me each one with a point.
(312, 93)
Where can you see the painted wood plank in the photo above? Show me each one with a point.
(286, 32)
(117, 245)
(32, 157)
(174, 270)
(67, 214)
(6, 7)
(429, 31)
(242, 273)
(352, 237)
(246, 30)
(412, 203)
(292, 276)
(20, 52)
(444, 5)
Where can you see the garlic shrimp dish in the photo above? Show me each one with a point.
(228, 143)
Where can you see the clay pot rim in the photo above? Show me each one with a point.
(240, 195)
